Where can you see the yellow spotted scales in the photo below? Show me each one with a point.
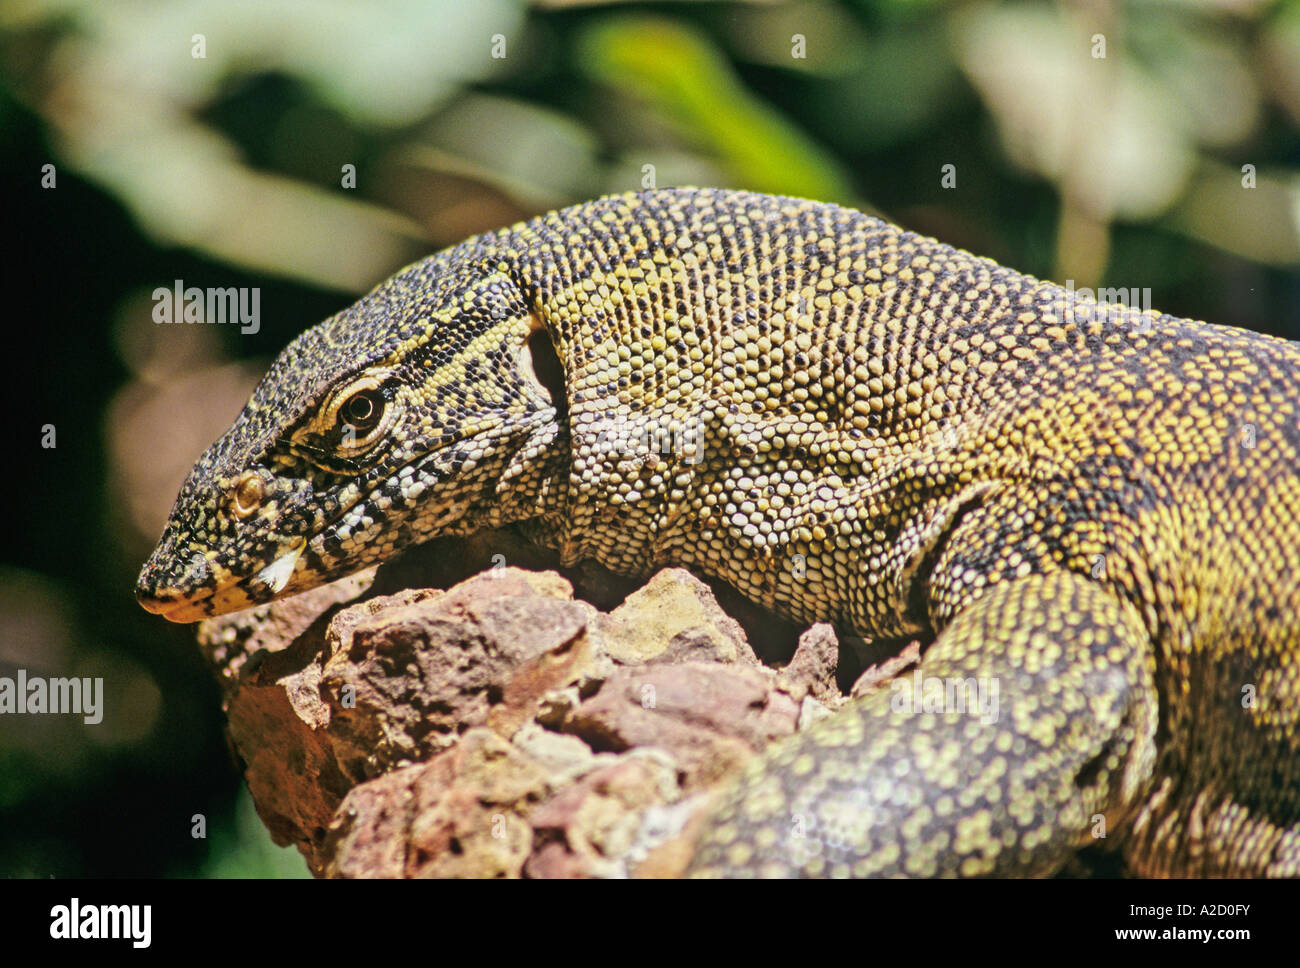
(1090, 513)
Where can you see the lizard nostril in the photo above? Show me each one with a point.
(146, 583)
(248, 494)
(151, 597)
(161, 589)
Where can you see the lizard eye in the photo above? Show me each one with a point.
(350, 423)
(363, 410)
(362, 418)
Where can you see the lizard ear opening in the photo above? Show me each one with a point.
(541, 363)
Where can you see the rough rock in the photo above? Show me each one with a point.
(811, 671)
(710, 717)
(230, 640)
(497, 726)
(673, 618)
(879, 675)
(405, 681)
(588, 829)
(461, 814)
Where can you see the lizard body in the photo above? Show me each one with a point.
(1092, 510)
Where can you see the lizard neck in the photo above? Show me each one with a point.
(799, 402)
(529, 483)
(757, 430)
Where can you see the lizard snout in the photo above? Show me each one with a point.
(166, 594)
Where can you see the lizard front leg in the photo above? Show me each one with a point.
(1061, 736)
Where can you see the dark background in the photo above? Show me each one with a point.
(225, 170)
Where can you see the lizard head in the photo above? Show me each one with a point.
(406, 416)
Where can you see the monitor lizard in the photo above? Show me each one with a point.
(1091, 512)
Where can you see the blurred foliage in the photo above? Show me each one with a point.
(684, 78)
(227, 169)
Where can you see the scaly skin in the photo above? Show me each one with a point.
(1094, 512)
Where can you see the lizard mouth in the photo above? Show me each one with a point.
(164, 605)
(229, 597)
(173, 606)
